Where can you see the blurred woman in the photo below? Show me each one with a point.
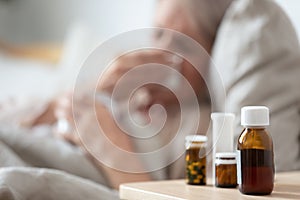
(256, 51)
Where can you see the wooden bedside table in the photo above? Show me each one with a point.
(287, 186)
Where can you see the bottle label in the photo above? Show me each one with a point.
(239, 167)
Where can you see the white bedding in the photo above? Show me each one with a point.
(35, 165)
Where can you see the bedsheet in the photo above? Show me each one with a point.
(36, 165)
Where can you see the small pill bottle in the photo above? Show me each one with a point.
(255, 156)
(195, 157)
(225, 168)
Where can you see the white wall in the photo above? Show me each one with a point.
(26, 21)
(39, 20)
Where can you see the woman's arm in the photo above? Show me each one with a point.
(110, 140)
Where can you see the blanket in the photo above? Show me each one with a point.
(36, 165)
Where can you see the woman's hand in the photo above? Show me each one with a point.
(128, 62)
(133, 69)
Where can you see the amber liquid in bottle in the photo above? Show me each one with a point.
(257, 162)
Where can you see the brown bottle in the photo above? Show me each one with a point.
(255, 152)
(225, 170)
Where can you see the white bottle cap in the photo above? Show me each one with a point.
(226, 158)
(200, 139)
(196, 138)
(255, 116)
(226, 155)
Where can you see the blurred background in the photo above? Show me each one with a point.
(43, 43)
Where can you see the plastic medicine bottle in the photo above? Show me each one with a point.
(255, 157)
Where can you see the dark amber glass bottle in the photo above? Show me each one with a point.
(255, 152)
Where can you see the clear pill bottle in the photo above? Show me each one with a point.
(255, 155)
(225, 168)
(195, 157)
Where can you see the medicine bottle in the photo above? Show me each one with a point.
(255, 152)
(195, 157)
(225, 166)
